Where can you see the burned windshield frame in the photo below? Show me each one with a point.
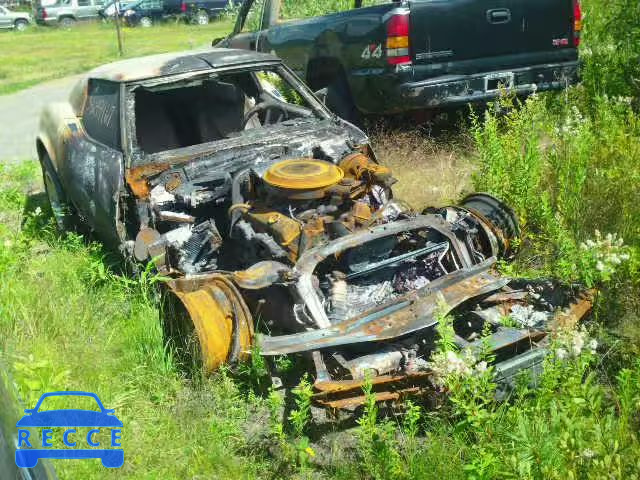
(137, 156)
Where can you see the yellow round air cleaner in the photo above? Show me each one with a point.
(303, 174)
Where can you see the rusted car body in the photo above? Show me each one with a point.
(279, 229)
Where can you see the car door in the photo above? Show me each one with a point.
(94, 168)
(84, 9)
(97, 6)
(5, 19)
(250, 28)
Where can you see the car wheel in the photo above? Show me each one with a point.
(202, 18)
(340, 101)
(146, 22)
(205, 342)
(21, 25)
(67, 22)
(63, 213)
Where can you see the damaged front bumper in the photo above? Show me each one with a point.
(391, 340)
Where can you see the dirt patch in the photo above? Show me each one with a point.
(430, 171)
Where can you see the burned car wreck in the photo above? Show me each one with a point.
(279, 229)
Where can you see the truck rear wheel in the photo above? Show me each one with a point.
(67, 22)
(340, 101)
(207, 321)
(21, 25)
(146, 22)
(201, 18)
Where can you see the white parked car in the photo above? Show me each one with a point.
(18, 20)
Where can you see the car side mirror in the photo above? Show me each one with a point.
(322, 95)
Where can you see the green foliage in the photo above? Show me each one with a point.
(378, 443)
(301, 416)
(611, 47)
(446, 333)
(567, 163)
(556, 167)
(70, 322)
(298, 9)
(87, 45)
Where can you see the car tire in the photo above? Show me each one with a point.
(63, 212)
(146, 22)
(340, 101)
(201, 18)
(67, 22)
(21, 25)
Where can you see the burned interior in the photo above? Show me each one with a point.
(206, 109)
(279, 228)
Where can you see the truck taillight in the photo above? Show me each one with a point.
(44, 13)
(183, 7)
(577, 22)
(398, 39)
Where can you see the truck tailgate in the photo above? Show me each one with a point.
(451, 31)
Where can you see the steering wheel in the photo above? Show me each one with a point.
(269, 108)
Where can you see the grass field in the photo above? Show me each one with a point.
(567, 163)
(43, 53)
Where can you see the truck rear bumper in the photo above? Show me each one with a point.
(388, 93)
(47, 21)
(461, 89)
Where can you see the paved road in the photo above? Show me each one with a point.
(19, 113)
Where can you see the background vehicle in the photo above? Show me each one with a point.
(147, 12)
(109, 9)
(67, 12)
(202, 11)
(408, 55)
(17, 20)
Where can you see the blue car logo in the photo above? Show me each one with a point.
(31, 449)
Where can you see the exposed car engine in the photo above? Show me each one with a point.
(332, 265)
(297, 204)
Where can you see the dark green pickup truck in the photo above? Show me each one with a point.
(387, 57)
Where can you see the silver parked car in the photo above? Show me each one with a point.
(67, 12)
(17, 20)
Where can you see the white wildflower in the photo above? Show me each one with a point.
(606, 252)
(37, 211)
(481, 367)
(561, 353)
(577, 343)
(588, 453)
(447, 364)
(593, 345)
